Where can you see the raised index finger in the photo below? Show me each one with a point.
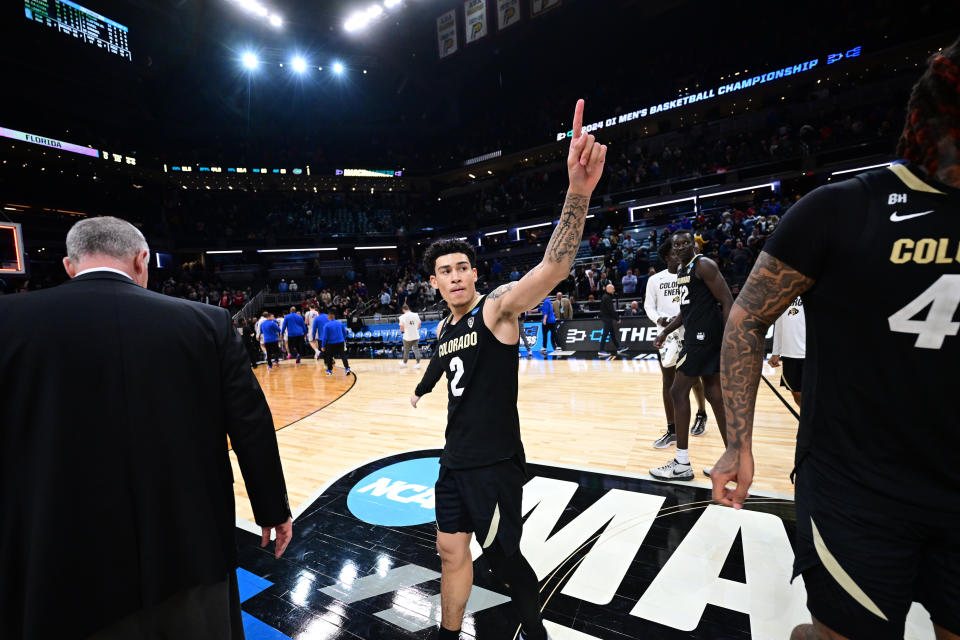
(578, 119)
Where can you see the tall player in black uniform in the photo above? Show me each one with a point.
(878, 477)
(705, 303)
(482, 469)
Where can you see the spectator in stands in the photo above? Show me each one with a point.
(594, 244)
(283, 287)
(514, 274)
(634, 310)
(741, 258)
(496, 269)
(629, 244)
(293, 286)
(629, 283)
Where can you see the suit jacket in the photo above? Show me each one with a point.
(566, 313)
(116, 489)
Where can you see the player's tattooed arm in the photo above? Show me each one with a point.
(565, 241)
(769, 290)
(499, 291)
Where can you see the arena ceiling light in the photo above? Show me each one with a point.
(338, 68)
(532, 226)
(391, 246)
(250, 60)
(361, 19)
(872, 166)
(299, 64)
(494, 233)
(257, 8)
(296, 250)
(662, 204)
(210, 253)
(772, 185)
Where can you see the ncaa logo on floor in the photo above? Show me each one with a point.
(398, 495)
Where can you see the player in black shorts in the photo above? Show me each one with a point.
(705, 302)
(482, 468)
(877, 468)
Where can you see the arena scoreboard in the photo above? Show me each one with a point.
(81, 23)
(12, 261)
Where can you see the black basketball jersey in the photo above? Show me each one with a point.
(483, 426)
(700, 310)
(882, 336)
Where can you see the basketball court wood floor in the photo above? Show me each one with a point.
(599, 414)
(618, 555)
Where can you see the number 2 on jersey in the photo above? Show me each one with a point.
(943, 298)
(456, 365)
(683, 295)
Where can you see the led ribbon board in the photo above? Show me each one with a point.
(48, 142)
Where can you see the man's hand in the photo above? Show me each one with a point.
(774, 361)
(586, 158)
(659, 340)
(414, 399)
(664, 321)
(284, 533)
(733, 466)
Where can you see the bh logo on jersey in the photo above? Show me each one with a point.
(793, 311)
(701, 336)
(399, 495)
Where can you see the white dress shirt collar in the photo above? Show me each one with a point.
(110, 269)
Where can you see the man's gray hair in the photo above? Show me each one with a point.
(105, 236)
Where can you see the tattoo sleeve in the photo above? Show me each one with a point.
(499, 291)
(769, 290)
(565, 241)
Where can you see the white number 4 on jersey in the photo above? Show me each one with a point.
(943, 298)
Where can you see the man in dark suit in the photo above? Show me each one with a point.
(116, 493)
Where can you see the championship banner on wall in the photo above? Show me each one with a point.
(508, 13)
(539, 7)
(447, 33)
(475, 17)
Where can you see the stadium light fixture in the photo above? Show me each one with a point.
(299, 64)
(250, 60)
(390, 4)
(276, 21)
(494, 233)
(357, 20)
(209, 253)
(391, 246)
(338, 67)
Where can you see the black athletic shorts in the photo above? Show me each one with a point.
(483, 500)
(792, 374)
(863, 562)
(699, 358)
